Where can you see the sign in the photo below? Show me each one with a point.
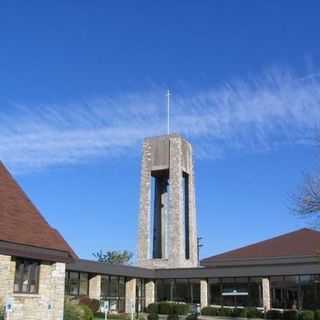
(235, 293)
(105, 307)
(9, 305)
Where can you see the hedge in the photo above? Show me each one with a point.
(290, 315)
(274, 314)
(153, 316)
(307, 315)
(317, 315)
(210, 311)
(173, 316)
(169, 308)
(239, 313)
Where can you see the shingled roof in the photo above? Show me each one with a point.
(23, 230)
(299, 243)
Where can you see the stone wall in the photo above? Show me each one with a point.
(46, 304)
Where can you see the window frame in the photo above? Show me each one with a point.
(33, 275)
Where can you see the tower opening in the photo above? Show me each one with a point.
(185, 188)
(160, 198)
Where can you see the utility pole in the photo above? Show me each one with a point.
(199, 246)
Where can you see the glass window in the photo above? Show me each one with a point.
(77, 283)
(215, 289)
(26, 276)
(140, 295)
(164, 290)
(84, 284)
(285, 292)
(113, 290)
(195, 290)
(181, 290)
(104, 286)
(255, 292)
(310, 292)
(114, 285)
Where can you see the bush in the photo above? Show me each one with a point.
(239, 313)
(274, 314)
(254, 313)
(192, 316)
(224, 312)
(210, 311)
(71, 312)
(317, 315)
(85, 312)
(173, 316)
(170, 308)
(153, 316)
(181, 308)
(154, 308)
(290, 315)
(307, 315)
(93, 304)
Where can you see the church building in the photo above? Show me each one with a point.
(38, 268)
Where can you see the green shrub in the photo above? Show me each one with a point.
(224, 312)
(154, 308)
(307, 315)
(210, 311)
(153, 316)
(317, 315)
(239, 313)
(170, 308)
(71, 312)
(85, 312)
(254, 313)
(181, 308)
(192, 316)
(274, 314)
(165, 308)
(173, 316)
(93, 304)
(290, 315)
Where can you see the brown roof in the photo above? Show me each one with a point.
(21, 222)
(299, 243)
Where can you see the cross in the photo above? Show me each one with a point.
(168, 111)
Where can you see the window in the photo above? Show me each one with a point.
(113, 290)
(26, 276)
(77, 283)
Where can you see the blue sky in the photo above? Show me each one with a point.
(83, 82)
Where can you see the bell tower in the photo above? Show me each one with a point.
(167, 219)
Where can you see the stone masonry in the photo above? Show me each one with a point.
(204, 293)
(46, 304)
(150, 292)
(130, 296)
(95, 287)
(266, 294)
(174, 154)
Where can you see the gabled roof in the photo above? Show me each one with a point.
(299, 243)
(21, 224)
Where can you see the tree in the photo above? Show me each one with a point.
(113, 257)
(307, 201)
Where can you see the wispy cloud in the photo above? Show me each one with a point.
(250, 114)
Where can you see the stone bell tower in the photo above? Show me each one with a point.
(167, 219)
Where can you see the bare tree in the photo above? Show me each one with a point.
(307, 200)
